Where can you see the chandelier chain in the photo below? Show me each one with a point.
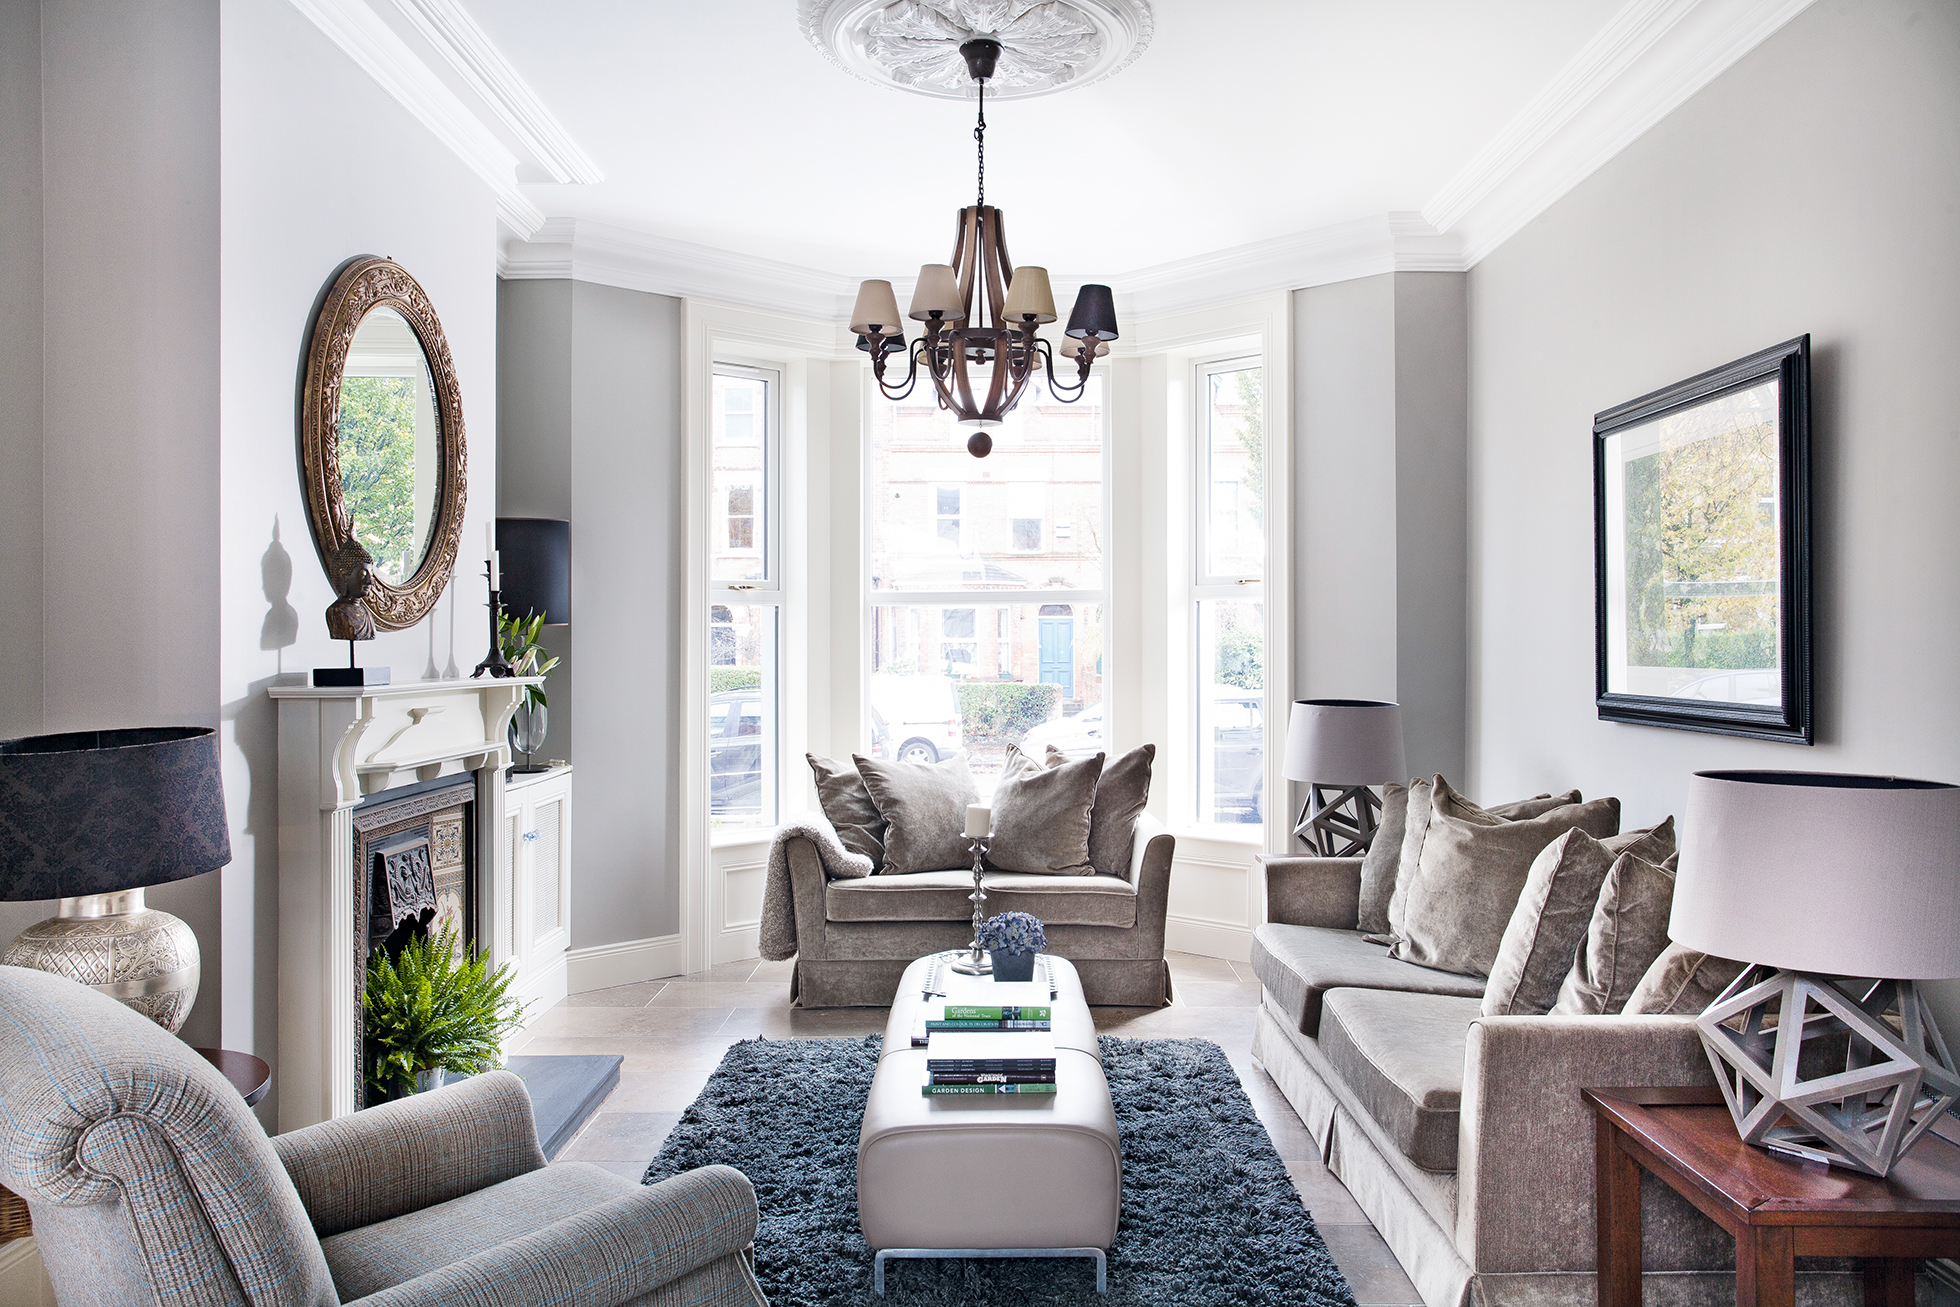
(980, 139)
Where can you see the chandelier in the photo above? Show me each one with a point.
(981, 355)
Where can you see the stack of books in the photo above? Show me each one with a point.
(980, 1049)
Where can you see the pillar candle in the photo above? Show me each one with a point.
(979, 821)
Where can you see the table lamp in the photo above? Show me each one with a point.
(1342, 747)
(92, 818)
(1841, 893)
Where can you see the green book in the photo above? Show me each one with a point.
(931, 1091)
(984, 1012)
(984, 1024)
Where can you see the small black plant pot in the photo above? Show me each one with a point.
(1012, 966)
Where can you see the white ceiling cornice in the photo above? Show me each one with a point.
(1641, 66)
(372, 44)
(467, 48)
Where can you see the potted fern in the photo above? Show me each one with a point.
(430, 1011)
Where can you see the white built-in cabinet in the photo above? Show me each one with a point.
(538, 810)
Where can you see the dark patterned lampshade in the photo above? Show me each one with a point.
(99, 812)
(536, 556)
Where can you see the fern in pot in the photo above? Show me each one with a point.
(430, 1012)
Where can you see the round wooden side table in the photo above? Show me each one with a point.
(249, 1075)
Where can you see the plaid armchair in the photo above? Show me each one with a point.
(149, 1182)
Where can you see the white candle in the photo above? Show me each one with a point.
(489, 541)
(496, 573)
(979, 821)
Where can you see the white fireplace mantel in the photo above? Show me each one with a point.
(336, 747)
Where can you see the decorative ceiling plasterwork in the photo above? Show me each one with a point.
(1046, 45)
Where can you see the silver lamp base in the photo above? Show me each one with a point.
(144, 959)
(1897, 1078)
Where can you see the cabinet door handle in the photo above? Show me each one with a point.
(530, 835)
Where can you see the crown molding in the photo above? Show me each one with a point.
(373, 45)
(467, 48)
(1639, 68)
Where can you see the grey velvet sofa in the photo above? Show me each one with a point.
(854, 938)
(150, 1182)
(1463, 1137)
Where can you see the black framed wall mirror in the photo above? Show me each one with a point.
(381, 446)
(1701, 540)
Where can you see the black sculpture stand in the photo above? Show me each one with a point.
(350, 675)
(494, 662)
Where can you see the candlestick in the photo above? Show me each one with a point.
(979, 821)
(494, 662)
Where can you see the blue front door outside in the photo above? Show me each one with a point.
(1058, 654)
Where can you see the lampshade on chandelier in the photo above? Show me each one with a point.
(981, 355)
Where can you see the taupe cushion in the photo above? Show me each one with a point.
(1299, 964)
(1547, 926)
(1681, 982)
(1402, 1056)
(1383, 857)
(1122, 793)
(1407, 852)
(1627, 932)
(1041, 816)
(1471, 868)
(1654, 843)
(924, 808)
(942, 896)
(847, 806)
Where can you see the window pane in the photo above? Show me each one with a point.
(740, 478)
(940, 519)
(1235, 473)
(1231, 708)
(742, 716)
(979, 679)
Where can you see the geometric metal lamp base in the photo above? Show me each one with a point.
(1339, 821)
(1895, 1081)
(120, 946)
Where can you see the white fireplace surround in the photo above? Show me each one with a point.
(338, 746)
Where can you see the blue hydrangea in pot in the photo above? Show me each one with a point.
(1013, 938)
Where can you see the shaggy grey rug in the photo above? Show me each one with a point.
(1209, 1214)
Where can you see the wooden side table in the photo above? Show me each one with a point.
(249, 1075)
(1778, 1209)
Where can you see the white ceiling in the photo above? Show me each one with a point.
(718, 123)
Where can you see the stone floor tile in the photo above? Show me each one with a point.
(621, 1137)
(1209, 993)
(1325, 1196)
(1190, 966)
(723, 973)
(642, 1052)
(774, 970)
(617, 996)
(806, 1023)
(723, 994)
(1371, 1269)
(670, 1090)
(628, 1022)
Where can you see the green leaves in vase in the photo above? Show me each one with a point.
(519, 638)
(429, 1007)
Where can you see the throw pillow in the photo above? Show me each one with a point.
(1121, 796)
(1415, 828)
(847, 806)
(1547, 926)
(1627, 932)
(1681, 982)
(1654, 843)
(1379, 863)
(923, 805)
(1041, 816)
(1470, 871)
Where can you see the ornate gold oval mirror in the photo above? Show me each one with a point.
(381, 438)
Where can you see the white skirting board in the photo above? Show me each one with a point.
(624, 963)
(23, 1280)
(1207, 939)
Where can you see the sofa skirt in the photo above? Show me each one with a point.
(871, 982)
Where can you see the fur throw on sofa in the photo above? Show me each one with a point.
(778, 899)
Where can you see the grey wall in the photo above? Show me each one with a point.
(20, 368)
(589, 384)
(1380, 371)
(1812, 188)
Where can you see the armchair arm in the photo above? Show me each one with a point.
(807, 883)
(407, 1155)
(1313, 892)
(614, 1253)
(1151, 851)
(1525, 1137)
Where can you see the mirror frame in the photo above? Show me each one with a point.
(362, 284)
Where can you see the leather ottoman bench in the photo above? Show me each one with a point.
(989, 1175)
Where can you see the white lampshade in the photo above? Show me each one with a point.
(1072, 348)
(1028, 295)
(876, 311)
(938, 292)
(1345, 742)
(1829, 874)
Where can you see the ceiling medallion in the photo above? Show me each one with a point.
(981, 346)
(1045, 45)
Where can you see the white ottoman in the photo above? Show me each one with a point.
(989, 1175)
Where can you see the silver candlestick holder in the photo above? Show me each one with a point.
(976, 962)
